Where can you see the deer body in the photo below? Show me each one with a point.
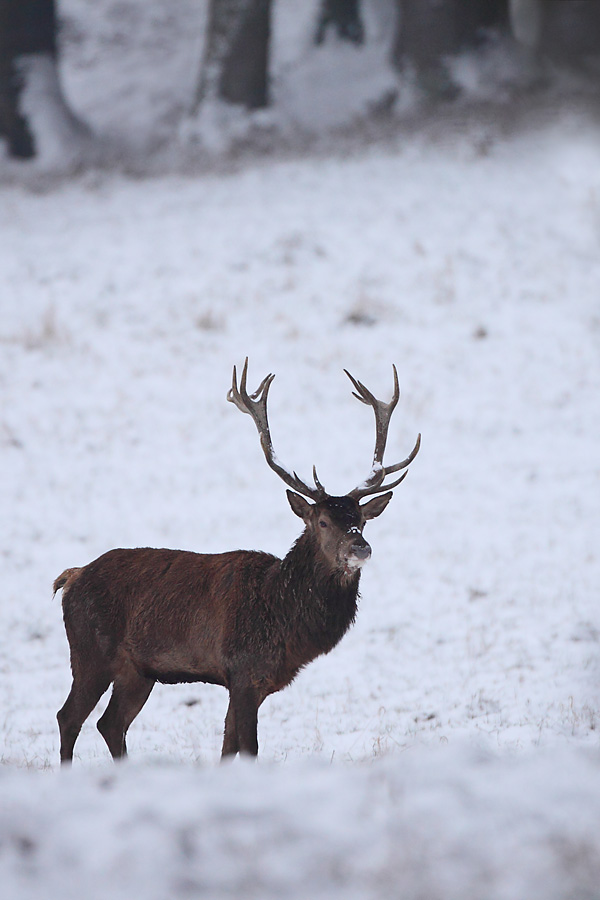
(245, 620)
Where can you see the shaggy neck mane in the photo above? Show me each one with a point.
(319, 601)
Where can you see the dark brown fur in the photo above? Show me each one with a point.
(245, 620)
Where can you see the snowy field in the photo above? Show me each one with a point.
(448, 747)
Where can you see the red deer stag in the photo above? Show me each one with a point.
(245, 619)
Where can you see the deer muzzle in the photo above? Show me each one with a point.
(361, 550)
(358, 553)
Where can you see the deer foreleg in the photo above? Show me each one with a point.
(230, 739)
(241, 721)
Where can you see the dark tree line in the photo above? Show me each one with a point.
(236, 59)
(235, 64)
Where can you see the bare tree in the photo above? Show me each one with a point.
(430, 30)
(236, 55)
(33, 111)
(344, 17)
(569, 32)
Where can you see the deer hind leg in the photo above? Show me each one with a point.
(85, 693)
(130, 692)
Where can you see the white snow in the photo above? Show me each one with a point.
(442, 824)
(448, 747)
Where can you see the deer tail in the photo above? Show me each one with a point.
(66, 579)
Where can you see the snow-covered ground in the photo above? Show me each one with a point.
(448, 746)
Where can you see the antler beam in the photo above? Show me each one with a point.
(255, 405)
(383, 413)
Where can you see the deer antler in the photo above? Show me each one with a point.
(256, 406)
(373, 484)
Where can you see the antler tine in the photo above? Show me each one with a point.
(361, 393)
(383, 414)
(255, 405)
(318, 484)
(241, 398)
(364, 490)
(405, 462)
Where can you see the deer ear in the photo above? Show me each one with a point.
(299, 505)
(376, 506)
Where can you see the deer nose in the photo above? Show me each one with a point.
(360, 550)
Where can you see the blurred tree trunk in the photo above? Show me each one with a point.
(429, 30)
(31, 99)
(570, 32)
(565, 33)
(236, 56)
(526, 22)
(344, 17)
(26, 27)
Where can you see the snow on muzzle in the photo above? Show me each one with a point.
(358, 552)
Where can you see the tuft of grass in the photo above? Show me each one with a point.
(47, 333)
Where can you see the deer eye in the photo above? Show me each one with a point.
(322, 523)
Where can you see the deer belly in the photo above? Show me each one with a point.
(177, 667)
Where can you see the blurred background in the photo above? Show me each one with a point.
(85, 83)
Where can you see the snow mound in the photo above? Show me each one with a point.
(450, 824)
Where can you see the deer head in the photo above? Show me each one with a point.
(335, 524)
